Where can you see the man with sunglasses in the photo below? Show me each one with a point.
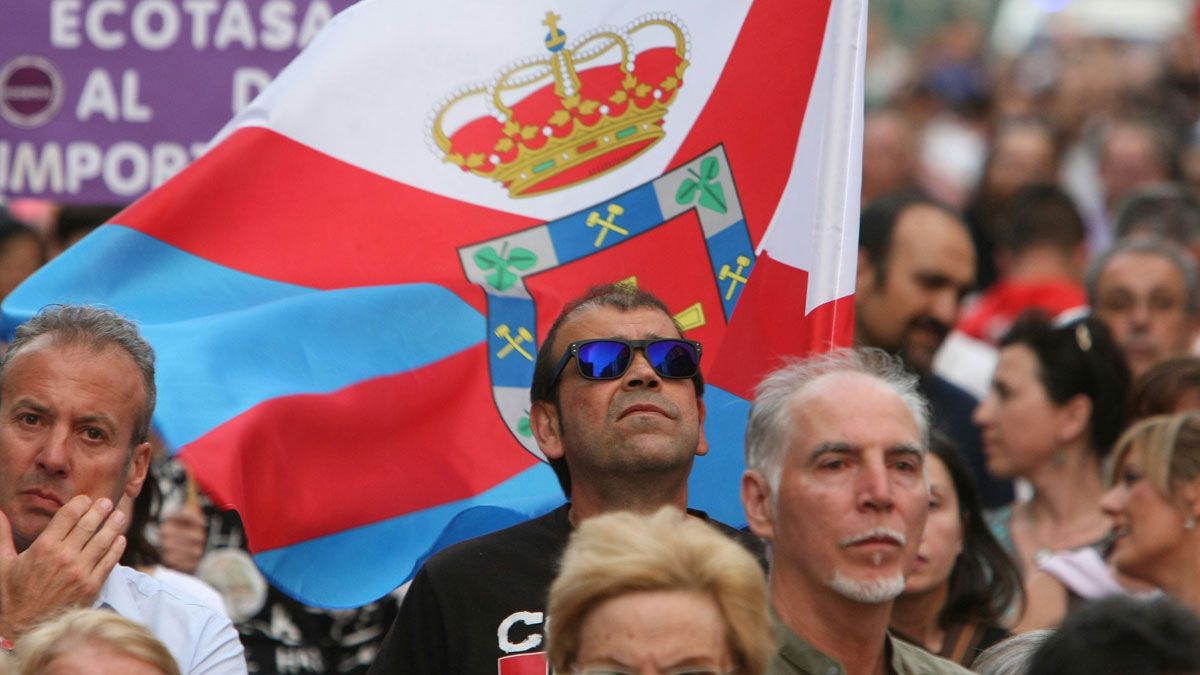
(617, 411)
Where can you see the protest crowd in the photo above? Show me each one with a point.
(1001, 476)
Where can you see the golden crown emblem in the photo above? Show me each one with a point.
(549, 122)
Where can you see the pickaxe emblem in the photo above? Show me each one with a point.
(594, 219)
(734, 277)
(514, 343)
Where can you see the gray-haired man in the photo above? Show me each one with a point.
(835, 450)
(1144, 290)
(76, 397)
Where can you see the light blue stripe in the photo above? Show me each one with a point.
(370, 561)
(149, 281)
(715, 483)
(218, 358)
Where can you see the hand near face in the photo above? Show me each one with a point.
(182, 537)
(64, 567)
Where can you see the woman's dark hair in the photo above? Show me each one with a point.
(1159, 390)
(985, 582)
(1078, 357)
(140, 552)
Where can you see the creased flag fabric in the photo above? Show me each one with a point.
(347, 290)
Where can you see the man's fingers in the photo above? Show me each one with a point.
(65, 519)
(103, 541)
(8, 549)
(88, 524)
(106, 564)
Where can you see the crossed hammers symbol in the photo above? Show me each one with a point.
(514, 343)
(735, 278)
(594, 219)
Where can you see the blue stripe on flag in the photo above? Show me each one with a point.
(148, 280)
(376, 556)
(227, 341)
(715, 483)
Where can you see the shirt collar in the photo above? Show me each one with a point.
(117, 595)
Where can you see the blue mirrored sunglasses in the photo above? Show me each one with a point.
(608, 359)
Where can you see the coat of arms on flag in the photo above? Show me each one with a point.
(348, 289)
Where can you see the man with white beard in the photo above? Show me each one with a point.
(835, 481)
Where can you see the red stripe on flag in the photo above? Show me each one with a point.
(758, 105)
(381, 448)
(264, 204)
(770, 323)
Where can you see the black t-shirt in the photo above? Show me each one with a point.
(479, 606)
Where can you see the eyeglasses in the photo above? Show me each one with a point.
(608, 359)
(684, 670)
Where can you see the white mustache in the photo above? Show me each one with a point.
(876, 533)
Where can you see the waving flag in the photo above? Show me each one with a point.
(347, 291)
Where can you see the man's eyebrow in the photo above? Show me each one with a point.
(907, 449)
(27, 403)
(98, 419)
(831, 448)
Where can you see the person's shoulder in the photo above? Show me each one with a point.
(946, 392)
(538, 536)
(200, 638)
(909, 659)
(751, 542)
(154, 598)
(190, 586)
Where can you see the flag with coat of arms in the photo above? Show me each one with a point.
(347, 291)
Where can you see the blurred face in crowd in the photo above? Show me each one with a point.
(1022, 426)
(889, 153)
(1142, 298)
(1130, 158)
(1023, 155)
(20, 256)
(942, 540)
(1148, 526)
(910, 306)
(852, 498)
(655, 632)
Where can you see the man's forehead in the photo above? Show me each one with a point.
(47, 353)
(1140, 269)
(844, 403)
(928, 235)
(604, 321)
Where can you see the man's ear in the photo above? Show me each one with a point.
(756, 500)
(139, 466)
(702, 445)
(543, 421)
(865, 276)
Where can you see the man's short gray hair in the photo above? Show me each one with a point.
(769, 430)
(95, 327)
(1148, 245)
(1011, 656)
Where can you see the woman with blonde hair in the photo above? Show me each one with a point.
(664, 592)
(92, 642)
(1154, 503)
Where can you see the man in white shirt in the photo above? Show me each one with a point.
(76, 397)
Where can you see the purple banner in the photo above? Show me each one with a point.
(103, 100)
